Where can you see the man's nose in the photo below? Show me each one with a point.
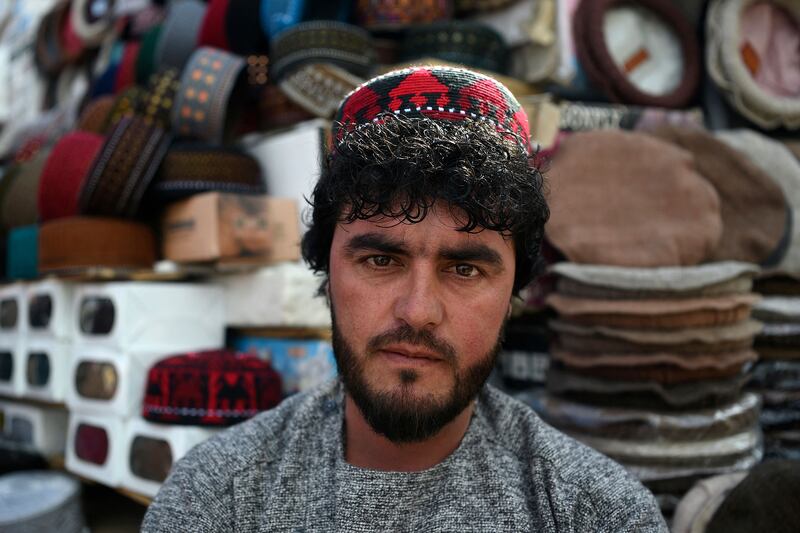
(420, 302)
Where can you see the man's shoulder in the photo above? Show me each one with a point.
(201, 491)
(572, 478)
(262, 438)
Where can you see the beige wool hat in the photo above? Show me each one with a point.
(606, 209)
(756, 220)
(780, 164)
(654, 313)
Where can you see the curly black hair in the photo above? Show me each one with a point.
(400, 166)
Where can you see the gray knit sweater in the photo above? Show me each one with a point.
(284, 470)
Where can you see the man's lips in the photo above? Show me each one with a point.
(408, 355)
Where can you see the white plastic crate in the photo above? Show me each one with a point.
(58, 354)
(12, 365)
(41, 429)
(130, 375)
(107, 471)
(59, 294)
(13, 296)
(141, 316)
(179, 439)
(283, 295)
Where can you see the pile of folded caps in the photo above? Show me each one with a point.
(776, 377)
(649, 365)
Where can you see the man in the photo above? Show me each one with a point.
(427, 218)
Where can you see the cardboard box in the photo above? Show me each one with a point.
(291, 160)
(234, 228)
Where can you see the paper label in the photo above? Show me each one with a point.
(750, 58)
(635, 60)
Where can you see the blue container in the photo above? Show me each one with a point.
(303, 364)
(22, 253)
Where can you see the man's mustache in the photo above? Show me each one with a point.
(408, 335)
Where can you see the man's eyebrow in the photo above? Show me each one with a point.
(375, 241)
(473, 252)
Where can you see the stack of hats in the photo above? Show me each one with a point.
(777, 376)
(649, 364)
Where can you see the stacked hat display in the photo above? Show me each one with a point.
(653, 335)
(775, 377)
(649, 367)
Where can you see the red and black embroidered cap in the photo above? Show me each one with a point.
(211, 388)
(442, 93)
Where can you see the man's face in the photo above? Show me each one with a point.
(417, 312)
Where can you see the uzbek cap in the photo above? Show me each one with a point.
(442, 93)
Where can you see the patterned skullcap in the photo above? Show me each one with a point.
(442, 93)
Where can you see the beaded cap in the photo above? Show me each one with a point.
(442, 93)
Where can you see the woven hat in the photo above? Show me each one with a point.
(666, 279)
(443, 93)
(776, 375)
(643, 53)
(756, 221)
(723, 451)
(778, 309)
(640, 424)
(643, 394)
(656, 313)
(605, 207)
(659, 368)
(780, 164)
(735, 333)
(735, 53)
(215, 388)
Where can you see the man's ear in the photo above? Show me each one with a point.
(510, 309)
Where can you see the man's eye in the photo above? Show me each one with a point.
(467, 271)
(380, 260)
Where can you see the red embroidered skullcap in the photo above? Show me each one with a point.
(211, 388)
(442, 93)
(64, 172)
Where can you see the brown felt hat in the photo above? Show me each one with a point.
(654, 314)
(755, 214)
(640, 424)
(666, 373)
(613, 283)
(607, 209)
(643, 394)
(710, 336)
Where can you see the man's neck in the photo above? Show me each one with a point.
(365, 448)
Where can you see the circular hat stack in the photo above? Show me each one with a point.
(648, 366)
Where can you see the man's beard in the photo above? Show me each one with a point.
(400, 415)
